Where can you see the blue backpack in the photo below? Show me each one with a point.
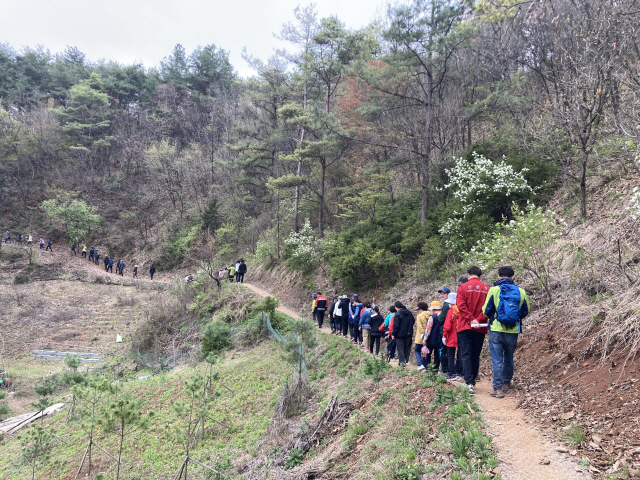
(509, 305)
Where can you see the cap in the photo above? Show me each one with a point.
(435, 305)
(355, 295)
(444, 290)
(314, 295)
(451, 299)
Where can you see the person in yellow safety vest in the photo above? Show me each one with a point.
(232, 272)
(313, 305)
(84, 251)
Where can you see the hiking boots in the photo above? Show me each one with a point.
(497, 392)
(507, 386)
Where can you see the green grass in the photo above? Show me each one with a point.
(256, 377)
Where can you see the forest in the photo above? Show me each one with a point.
(404, 143)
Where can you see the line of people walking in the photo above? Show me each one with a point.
(450, 331)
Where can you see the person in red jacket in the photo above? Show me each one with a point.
(450, 337)
(470, 300)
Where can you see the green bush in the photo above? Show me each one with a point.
(296, 457)
(216, 337)
(20, 278)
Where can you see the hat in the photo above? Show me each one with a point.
(355, 295)
(451, 299)
(435, 305)
(314, 295)
(444, 290)
(398, 304)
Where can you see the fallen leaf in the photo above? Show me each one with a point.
(573, 453)
(497, 471)
(596, 439)
(567, 416)
(562, 449)
(545, 461)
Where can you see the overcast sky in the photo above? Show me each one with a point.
(128, 31)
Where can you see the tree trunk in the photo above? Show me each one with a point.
(120, 450)
(583, 186)
(426, 167)
(321, 199)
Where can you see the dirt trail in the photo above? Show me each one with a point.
(523, 452)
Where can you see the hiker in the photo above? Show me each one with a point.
(444, 293)
(41, 243)
(364, 326)
(320, 307)
(242, 269)
(30, 241)
(421, 327)
(20, 237)
(237, 268)
(92, 252)
(402, 332)
(470, 300)
(344, 311)
(354, 318)
(49, 246)
(152, 270)
(121, 268)
(232, 272)
(73, 249)
(84, 251)
(433, 336)
(135, 271)
(110, 265)
(450, 338)
(106, 262)
(376, 321)
(332, 315)
(96, 256)
(462, 279)
(188, 279)
(505, 307)
(388, 328)
(314, 295)
(7, 238)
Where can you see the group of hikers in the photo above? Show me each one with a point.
(234, 272)
(451, 330)
(22, 239)
(94, 257)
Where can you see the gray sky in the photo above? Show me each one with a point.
(137, 30)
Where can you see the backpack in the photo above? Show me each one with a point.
(509, 305)
(435, 338)
(321, 304)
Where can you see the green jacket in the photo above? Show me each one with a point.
(443, 316)
(490, 308)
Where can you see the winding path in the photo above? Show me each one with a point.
(524, 454)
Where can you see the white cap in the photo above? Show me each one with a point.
(451, 298)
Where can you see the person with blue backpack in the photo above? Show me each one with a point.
(505, 307)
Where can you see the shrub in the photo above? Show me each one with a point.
(296, 457)
(20, 279)
(302, 249)
(523, 243)
(216, 337)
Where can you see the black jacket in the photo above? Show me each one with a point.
(242, 268)
(344, 306)
(403, 324)
(376, 321)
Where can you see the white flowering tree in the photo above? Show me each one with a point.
(303, 250)
(524, 243)
(634, 205)
(475, 183)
